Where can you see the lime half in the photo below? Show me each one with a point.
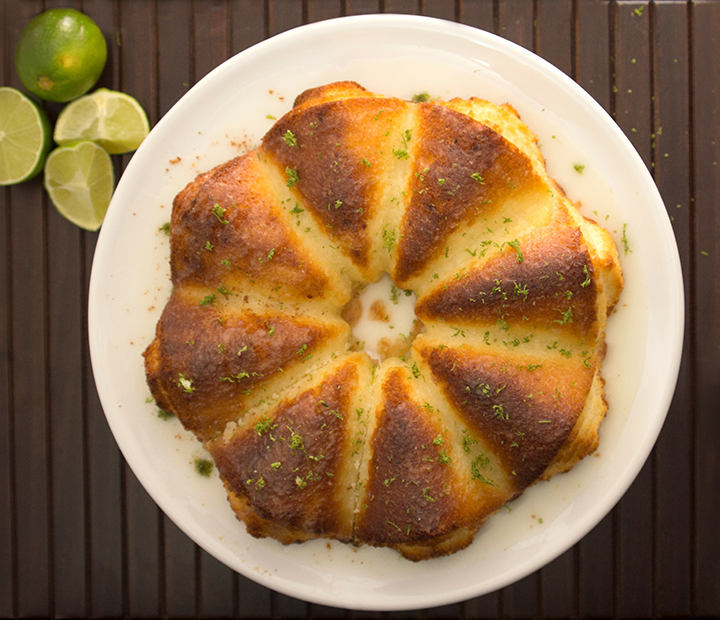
(113, 120)
(80, 181)
(24, 137)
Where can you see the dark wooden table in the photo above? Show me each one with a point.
(79, 537)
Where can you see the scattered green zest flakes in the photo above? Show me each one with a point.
(515, 245)
(476, 176)
(405, 137)
(276, 465)
(219, 213)
(185, 384)
(420, 97)
(467, 441)
(165, 415)
(203, 467)
(289, 138)
(293, 178)
(296, 441)
(388, 239)
(208, 246)
(427, 496)
(262, 426)
(587, 280)
(401, 153)
(626, 244)
(566, 316)
(481, 462)
(579, 168)
(209, 299)
(165, 228)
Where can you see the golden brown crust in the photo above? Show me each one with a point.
(502, 384)
(462, 171)
(229, 230)
(525, 410)
(545, 279)
(208, 364)
(334, 155)
(288, 467)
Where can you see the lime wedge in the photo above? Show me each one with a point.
(80, 181)
(24, 137)
(112, 119)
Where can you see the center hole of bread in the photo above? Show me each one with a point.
(382, 319)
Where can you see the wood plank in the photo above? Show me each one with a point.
(559, 586)
(28, 395)
(284, 15)
(174, 52)
(212, 42)
(7, 456)
(104, 483)
(515, 22)
(596, 576)
(592, 50)
(8, 585)
(441, 9)
(142, 554)
(408, 7)
(249, 24)
(180, 587)
(673, 452)
(633, 112)
(361, 7)
(254, 600)
(555, 34)
(479, 14)
(105, 511)
(318, 10)
(706, 302)
(218, 586)
(30, 399)
(138, 48)
(66, 299)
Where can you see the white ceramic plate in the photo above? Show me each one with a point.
(228, 112)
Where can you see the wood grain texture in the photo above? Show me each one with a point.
(80, 537)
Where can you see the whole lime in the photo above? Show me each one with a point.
(60, 54)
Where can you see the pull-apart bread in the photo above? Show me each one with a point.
(500, 388)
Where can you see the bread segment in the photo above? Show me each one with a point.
(212, 359)
(290, 469)
(501, 386)
(420, 492)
